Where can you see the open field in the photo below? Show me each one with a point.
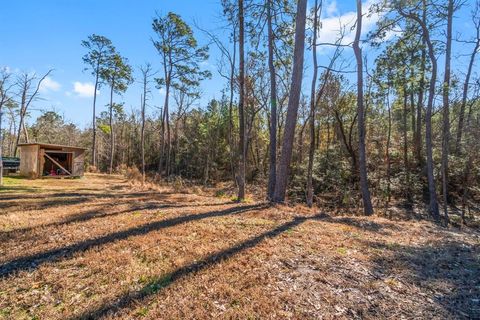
(99, 248)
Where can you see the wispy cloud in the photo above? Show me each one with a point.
(332, 22)
(48, 84)
(84, 89)
(331, 8)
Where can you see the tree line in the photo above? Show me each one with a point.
(378, 134)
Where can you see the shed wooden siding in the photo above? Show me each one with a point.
(32, 158)
(78, 162)
(29, 161)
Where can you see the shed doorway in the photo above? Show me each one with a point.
(57, 163)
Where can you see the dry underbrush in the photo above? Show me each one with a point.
(104, 247)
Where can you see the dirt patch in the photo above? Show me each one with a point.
(98, 248)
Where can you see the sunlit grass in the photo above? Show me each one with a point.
(16, 184)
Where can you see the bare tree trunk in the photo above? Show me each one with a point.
(367, 203)
(22, 116)
(94, 122)
(293, 103)
(241, 105)
(418, 136)
(162, 142)
(142, 137)
(433, 205)
(428, 132)
(26, 81)
(311, 151)
(387, 151)
(412, 102)
(230, 108)
(112, 142)
(405, 145)
(273, 108)
(446, 110)
(169, 143)
(164, 123)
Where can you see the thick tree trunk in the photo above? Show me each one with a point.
(241, 106)
(293, 102)
(273, 107)
(311, 151)
(367, 203)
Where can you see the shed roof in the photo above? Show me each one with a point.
(49, 145)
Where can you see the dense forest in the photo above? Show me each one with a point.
(390, 124)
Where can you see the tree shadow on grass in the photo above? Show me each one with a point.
(101, 213)
(52, 200)
(6, 191)
(363, 224)
(40, 193)
(31, 262)
(164, 281)
(449, 270)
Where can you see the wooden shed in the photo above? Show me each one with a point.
(40, 160)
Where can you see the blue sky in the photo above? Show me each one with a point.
(39, 35)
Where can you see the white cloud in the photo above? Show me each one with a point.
(84, 89)
(333, 22)
(162, 91)
(331, 8)
(48, 84)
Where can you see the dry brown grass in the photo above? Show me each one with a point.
(102, 247)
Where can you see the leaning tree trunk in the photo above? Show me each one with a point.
(273, 107)
(362, 163)
(293, 102)
(241, 105)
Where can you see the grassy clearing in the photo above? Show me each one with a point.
(99, 247)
